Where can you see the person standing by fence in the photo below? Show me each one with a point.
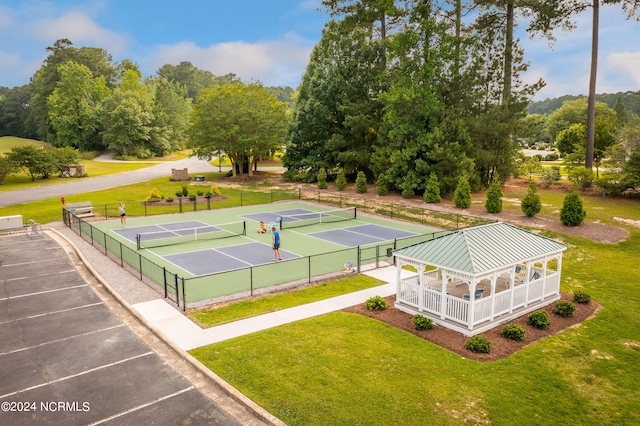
(123, 215)
(275, 238)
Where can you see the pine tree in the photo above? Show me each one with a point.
(361, 183)
(531, 204)
(407, 188)
(322, 179)
(493, 204)
(462, 194)
(341, 181)
(382, 187)
(432, 191)
(572, 213)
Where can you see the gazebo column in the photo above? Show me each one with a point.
(421, 287)
(544, 277)
(472, 303)
(493, 295)
(512, 287)
(527, 270)
(443, 293)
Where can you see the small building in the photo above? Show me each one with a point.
(475, 279)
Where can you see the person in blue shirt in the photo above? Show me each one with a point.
(275, 238)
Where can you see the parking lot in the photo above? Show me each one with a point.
(66, 358)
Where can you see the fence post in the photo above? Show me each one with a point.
(177, 288)
(164, 279)
(105, 244)
(121, 257)
(184, 297)
(140, 263)
(145, 208)
(309, 262)
(251, 280)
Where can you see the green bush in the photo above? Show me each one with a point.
(513, 332)
(407, 188)
(361, 183)
(572, 213)
(432, 191)
(551, 157)
(493, 204)
(376, 303)
(478, 344)
(580, 296)
(200, 192)
(531, 204)
(179, 193)
(322, 179)
(169, 199)
(185, 190)
(539, 319)
(462, 194)
(550, 175)
(382, 187)
(341, 181)
(422, 323)
(564, 308)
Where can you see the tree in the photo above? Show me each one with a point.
(194, 80)
(6, 168)
(75, 107)
(462, 194)
(531, 204)
(322, 179)
(432, 191)
(493, 203)
(14, 112)
(341, 181)
(361, 183)
(568, 138)
(407, 187)
(382, 187)
(34, 161)
(531, 166)
(243, 120)
(572, 213)
(170, 115)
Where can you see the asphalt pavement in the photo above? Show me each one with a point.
(78, 186)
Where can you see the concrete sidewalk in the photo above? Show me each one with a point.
(166, 319)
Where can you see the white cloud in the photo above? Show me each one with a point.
(80, 29)
(627, 66)
(273, 62)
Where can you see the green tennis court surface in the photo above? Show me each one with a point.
(221, 252)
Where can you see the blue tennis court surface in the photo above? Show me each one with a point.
(210, 261)
(361, 235)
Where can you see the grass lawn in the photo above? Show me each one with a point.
(251, 307)
(345, 369)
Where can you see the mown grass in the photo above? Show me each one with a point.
(345, 369)
(247, 308)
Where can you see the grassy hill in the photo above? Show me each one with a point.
(8, 142)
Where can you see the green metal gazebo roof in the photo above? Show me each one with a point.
(482, 249)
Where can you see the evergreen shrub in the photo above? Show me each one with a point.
(462, 194)
(580, 296)
(382, 187)
(531, 204)
(376, 303)
(432, 191)
(539, 319)
(572, 213)
(478, 344)
(407, 188)
(564, 308)
(422, 323)
(322, 179)
(513, 332)
(493, 204)
(361, 183)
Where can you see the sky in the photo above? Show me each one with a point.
(271, 40)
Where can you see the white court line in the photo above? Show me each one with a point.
(76, 375)
(44, 292)
(51, 313)
(62, 340)
(139, 407)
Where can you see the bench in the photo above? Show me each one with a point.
(83, 209)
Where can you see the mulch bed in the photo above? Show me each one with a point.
(500, 346)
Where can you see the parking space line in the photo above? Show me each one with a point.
(35, 261)
(53, 312)
(44, 292)
(139, 407)
(66, 271)
(88, 333)
(62, 379)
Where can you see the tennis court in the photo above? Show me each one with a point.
(221, 252)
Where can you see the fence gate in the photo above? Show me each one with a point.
(171, 287)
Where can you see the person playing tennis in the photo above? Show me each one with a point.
(123, 215)
(275, 238)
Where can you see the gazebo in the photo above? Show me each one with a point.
(475, 279)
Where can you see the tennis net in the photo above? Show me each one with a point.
(186, 235)
(312, 218)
